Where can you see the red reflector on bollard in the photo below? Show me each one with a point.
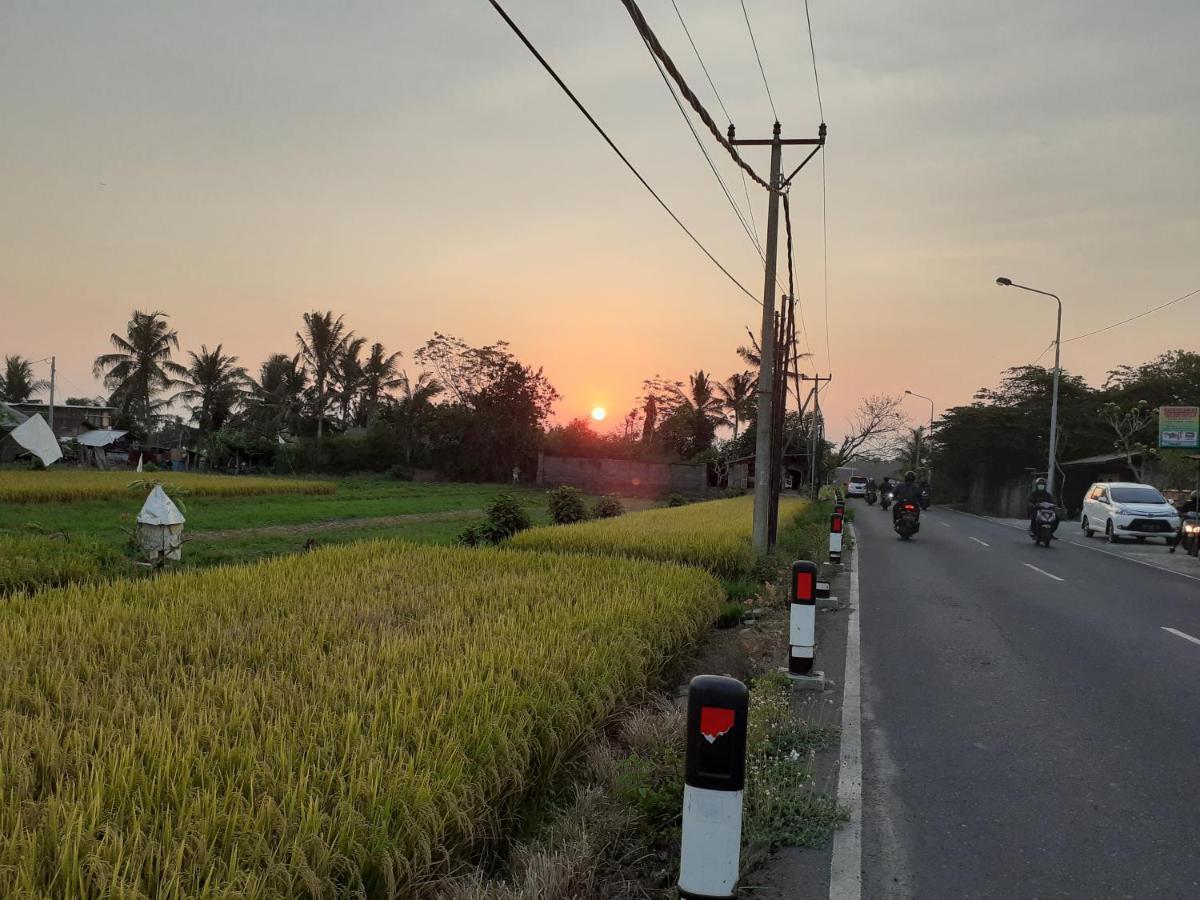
(714, 722)
(835, 524)
(804, 582)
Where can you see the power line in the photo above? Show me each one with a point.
(787, 223)
(721, 181)
(545, 65)
(763, 71)
(813, 51)
(700, 59)
(1140, 315)
(656, 47)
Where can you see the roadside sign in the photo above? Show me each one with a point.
(1179, 426)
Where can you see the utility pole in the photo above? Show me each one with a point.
(815, 428)
(53, 376)
(764, 468)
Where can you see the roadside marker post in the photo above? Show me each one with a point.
(835, 538)
(802, 608)
(825, 598)
(714, 778)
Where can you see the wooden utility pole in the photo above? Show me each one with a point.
(815, 428)
(764, 465)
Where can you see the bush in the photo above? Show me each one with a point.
(566, 505)
(731, 615)
(505, 517)
(607, 507)
(401, 472)
(676, 499)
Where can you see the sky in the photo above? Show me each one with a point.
(408, 164)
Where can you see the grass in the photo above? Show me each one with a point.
(332, 724)
(33, 560)
(714, 535)
(61, 485)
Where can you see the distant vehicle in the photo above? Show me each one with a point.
(885, 497)
(857, 486)
(871, 495)
(1124, 509)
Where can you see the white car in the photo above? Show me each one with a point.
(857, 486)
(1123, 509)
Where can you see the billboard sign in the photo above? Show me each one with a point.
(1179, 426)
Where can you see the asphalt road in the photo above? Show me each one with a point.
(1030, 727)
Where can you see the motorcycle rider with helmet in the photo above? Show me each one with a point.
(1192, 505)
(905, 490)
(1039, 494)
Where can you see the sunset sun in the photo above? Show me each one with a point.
(598, 413)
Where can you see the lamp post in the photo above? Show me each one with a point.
(1008, 282)
(930, 399)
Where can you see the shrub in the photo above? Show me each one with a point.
(401, 472)
(329, 724)
(566, 505)
(676, 499)
(731, 615)
(505, 517)
(607, 507)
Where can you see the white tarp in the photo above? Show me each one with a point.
(159, 510)
(100, 437)
(35, 436)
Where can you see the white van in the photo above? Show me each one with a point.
(1125, 509)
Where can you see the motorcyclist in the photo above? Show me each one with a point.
(905, 490)
(1040, 494)
(1192, 505)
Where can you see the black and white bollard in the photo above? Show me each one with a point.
(835, 538)
(712, 793)
(802, 631)
(839, 508)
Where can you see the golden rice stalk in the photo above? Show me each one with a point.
(72, 485)
(327, 725)
(713, 535)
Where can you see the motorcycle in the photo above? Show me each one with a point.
(1190, 526)
(885, 499)
(871, 496)
(1041, 529)
(907, 519)
(924, 501)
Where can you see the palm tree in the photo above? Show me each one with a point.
(17, 384)
(414, 406)
(279, 393)
(379, 377)
(737, 395)
(321, 346)
(702, 406)
(218, 383)
(141, 367)
(914, 449)
(348, 377)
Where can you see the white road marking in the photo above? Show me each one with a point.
(1184, 635)
(1043, 572)
(845, 867)
(978, 541)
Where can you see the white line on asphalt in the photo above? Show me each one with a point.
(1043, 572)
(978, 541)
(845, 867)
(1184, 635)
(944, 524)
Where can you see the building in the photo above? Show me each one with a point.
(69, 421)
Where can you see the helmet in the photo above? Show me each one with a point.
(910, 476)
(1039, 482)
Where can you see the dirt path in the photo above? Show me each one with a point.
(335, 524)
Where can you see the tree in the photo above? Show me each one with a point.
(914, 448)
(414, 409)
(380, 376)
(1127, 423)
(277, 401)
(322, 345)
(702, 408)
(873, 428)
(18, 384)
(216, 384)
(349, 378)
(737, 395)
(141, 369)
(659, 399)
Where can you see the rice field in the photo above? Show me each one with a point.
(335, 724)
(63, 485)
(28, 561)
(714, 535)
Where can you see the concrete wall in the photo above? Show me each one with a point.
(1007, 499)
(621, 476)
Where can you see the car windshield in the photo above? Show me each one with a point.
(1137, 495)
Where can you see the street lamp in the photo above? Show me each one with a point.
(1008, 282)
(930, 399)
